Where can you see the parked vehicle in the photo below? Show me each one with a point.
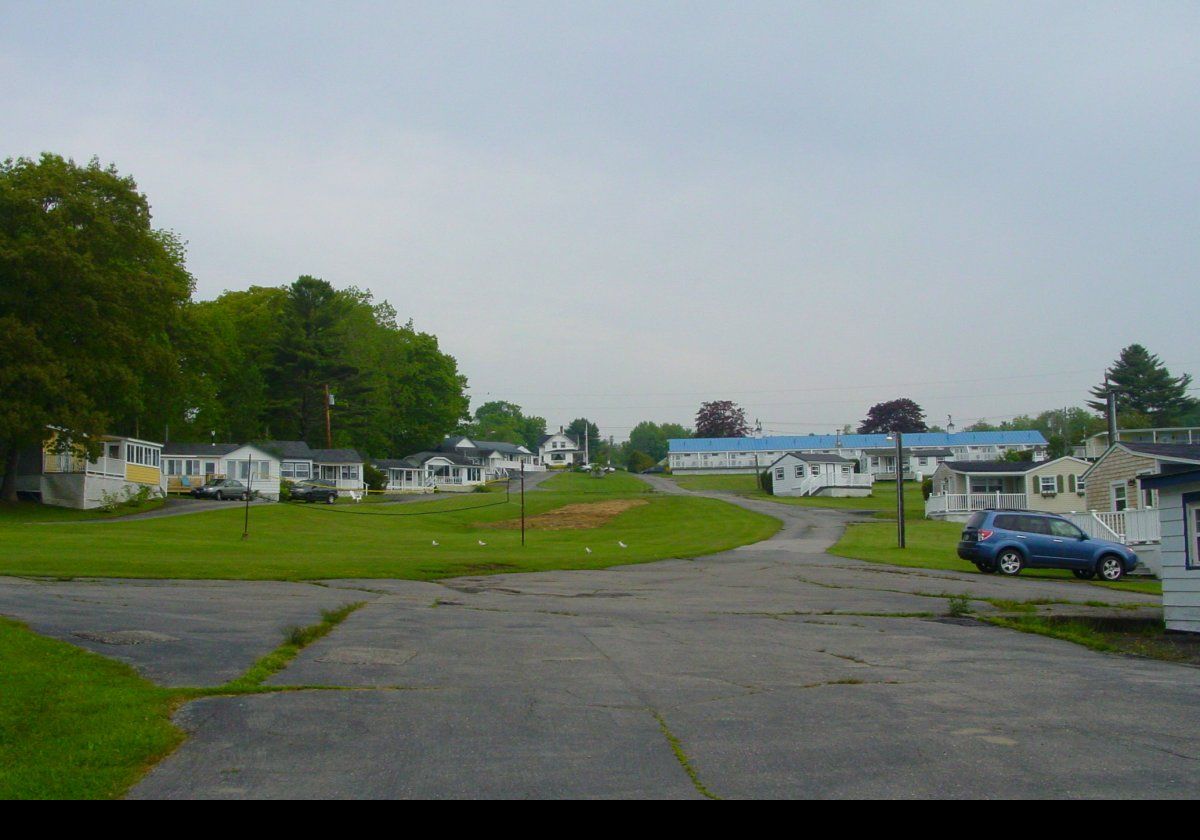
(315, 491)
(1007, 541)
(221, 489)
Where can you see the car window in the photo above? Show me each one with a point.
(1008, 522)
(976, 519)
(1059, 528)
(1035, 524)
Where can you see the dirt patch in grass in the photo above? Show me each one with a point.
(577, 517)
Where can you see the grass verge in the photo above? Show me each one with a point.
(931, 545)
(882, 498)
(1137, 636)
(417, 541)
(77, 725)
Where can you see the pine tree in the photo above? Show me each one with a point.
(1145, 386)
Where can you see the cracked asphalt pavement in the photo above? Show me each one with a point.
(773, 670)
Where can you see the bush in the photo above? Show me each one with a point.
(374, 477)
(766, 482)
(285, 490)
(927, 488)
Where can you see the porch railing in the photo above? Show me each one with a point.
(1125, 526)
(970, 502)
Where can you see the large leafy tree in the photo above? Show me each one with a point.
(499, 420)
(581, 426)
(721, 419)
(91, 298)
(899, 415)
(1146, 387)
(652, 438)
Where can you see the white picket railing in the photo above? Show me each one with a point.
(1125, 526)
(969, 502)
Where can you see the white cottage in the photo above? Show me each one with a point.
(811, 474)
(560, 450)
(66, 477)
(187, 466)
(1179, 518)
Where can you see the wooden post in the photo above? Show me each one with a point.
(249, 484)
(328, 422)
(522, 503)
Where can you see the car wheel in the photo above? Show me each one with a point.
(1010, 562)
(331, 498)
(1110, 568)
(1084, 574)
(219, 497)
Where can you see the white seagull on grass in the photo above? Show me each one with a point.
(435, 542)
(481, 542)
(622, 544)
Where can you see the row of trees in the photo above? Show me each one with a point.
(99, 334)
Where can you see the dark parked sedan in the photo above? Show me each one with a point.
(221, 489)
(315, 491)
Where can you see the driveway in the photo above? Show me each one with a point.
(774, 670)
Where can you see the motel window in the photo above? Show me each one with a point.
(799, 471)
(1193, 544)
(1048, 484)
(1120, 501)
(845, 470)
(779, 474)
(350, 472)
(815, 469)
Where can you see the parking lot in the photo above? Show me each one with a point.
(774, 670)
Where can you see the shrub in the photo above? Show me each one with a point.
(374, 477)
(927, 488)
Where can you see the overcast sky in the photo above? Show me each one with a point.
(621, 210)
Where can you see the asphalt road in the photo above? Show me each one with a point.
(774, 670)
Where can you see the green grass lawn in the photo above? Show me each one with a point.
(882, 498)
(576, 482)
(74, 725)
(931, 545)
(19, 512)
(298, 541)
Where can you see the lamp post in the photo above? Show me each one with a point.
(899, 438)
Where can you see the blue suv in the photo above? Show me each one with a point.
(1007, 541)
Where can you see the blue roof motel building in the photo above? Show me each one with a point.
(875, 454)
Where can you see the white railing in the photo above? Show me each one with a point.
(68, 463)
(1125, 526)
(970, 502)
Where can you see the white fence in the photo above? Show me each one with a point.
(1126, 526)
(970, 502)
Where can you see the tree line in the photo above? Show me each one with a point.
(99, 334)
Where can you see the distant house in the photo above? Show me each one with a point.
(341, 467)
(875, 454)
(1178, 491)
(424, 472)
(1098, 444)
(69, 479)
(295, 458)
(1114, 480)
(809, 474)
(190, 465)
(962, 487)
(560, 450)
(498, 457)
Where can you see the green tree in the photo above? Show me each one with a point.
(638, 461)
(91, 297)
(504, 421)
(581, 426)
(1145, 386)
(652, 438)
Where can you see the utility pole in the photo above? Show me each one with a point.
(249, 484)
(1110, 401)
(522, 503)
(328, 421)
(899, 489)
